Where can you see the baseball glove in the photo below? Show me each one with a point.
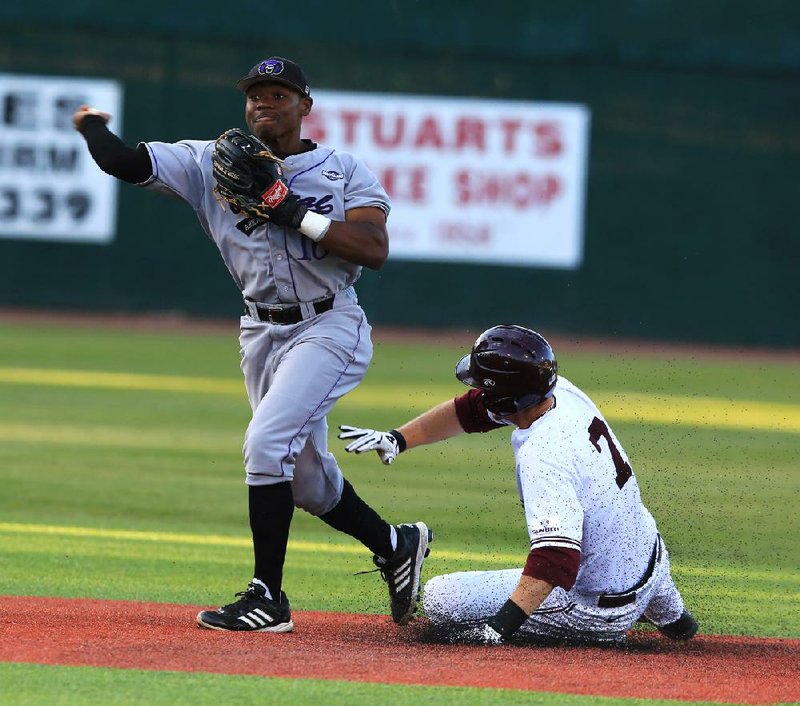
(250, 178)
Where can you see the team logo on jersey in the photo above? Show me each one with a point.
(272, 67)
(488, 382)
(331, 175)
(548, 525)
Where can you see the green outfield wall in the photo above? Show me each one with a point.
(692, 213)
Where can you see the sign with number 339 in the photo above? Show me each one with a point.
(50, 189)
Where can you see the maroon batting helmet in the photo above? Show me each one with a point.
(514, 366)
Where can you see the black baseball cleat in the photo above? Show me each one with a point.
(253, 612)
(684, 628)
(402, 571)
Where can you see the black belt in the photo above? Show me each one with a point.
(285, 315)
(616, 600)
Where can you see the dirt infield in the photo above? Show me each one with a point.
(371, 648)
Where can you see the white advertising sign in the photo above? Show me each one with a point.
(50, 188)
(497, 182)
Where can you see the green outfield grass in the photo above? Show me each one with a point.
(121, 477)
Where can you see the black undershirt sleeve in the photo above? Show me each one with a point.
(112, 155)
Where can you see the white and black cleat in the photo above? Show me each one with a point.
(402, 571)
(253, 612)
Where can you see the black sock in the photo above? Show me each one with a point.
(354, 517)
(271, 510)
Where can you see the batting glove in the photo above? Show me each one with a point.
(384, 442)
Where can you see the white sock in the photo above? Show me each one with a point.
(393, 541)
(259, 582)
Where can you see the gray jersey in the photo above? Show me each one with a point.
(269, 263)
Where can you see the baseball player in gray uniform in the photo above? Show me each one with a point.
(597, 563)
(305, 341)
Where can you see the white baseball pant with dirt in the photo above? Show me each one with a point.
(472, 596)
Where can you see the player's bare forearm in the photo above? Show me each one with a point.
(530, 593)
(437, 424)
(361, 239)
(526, 598)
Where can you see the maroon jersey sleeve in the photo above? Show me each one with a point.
(556, 566)
(472, 412)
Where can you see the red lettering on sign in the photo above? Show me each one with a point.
(429, 134)
(386, 131)
(547, 139)
(394, 128)
(510, 128)
(520, 189)
(471, 132)
(405, 183)
(350, 120)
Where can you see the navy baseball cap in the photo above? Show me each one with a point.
(277, 69)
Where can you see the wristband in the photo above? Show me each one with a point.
(314, 226)
(508, 619)
(400, 439)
